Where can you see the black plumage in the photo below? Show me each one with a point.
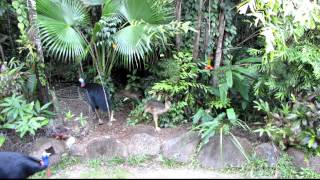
(15, 165)
(95, 96)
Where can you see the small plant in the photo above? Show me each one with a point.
(2, 140)
(137, 160)
(116, 160)
(294, 123)
(168, 162)
(69, 116)
(221, 124)
(11, 81)
(259, 168)
(82, 119)
(94, 163)
(24, 117)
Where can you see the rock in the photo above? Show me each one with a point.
(298, 158)
(210, 155)
(55, 147)
(105, 146)
(302, 161)
(143, 144)
(315, 164)
(181, 148)
(268, 152)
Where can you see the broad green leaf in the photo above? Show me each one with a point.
(229, 78)
(2, 140)
(223, 90)
(231, 114)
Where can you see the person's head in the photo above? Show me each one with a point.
(82, 83)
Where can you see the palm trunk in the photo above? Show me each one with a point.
(218, 55)
(43, 89)
(195, 52)
(178, 17)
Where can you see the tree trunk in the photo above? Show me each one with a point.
(218, 55)
(195, 52)
(207, 30)
(2, 54)
(43, 89)
(178, 17)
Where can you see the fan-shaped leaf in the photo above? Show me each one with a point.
(58, 23)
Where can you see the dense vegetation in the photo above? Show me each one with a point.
(223, 63)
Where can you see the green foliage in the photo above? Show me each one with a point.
(175, 116)
(182, 82)
(116, 160)
(23, 23)
(58, 22)
(127, 29)
(291, 43)
(82, 120)
(169, 163)
(296, 123)
(284, 169)
(222, 123)
(24, 117)
(2, 140)
(137, 160)
(138, 115)
(236, 78)
(133, 83)
(11, 81)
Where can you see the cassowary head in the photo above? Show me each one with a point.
(82, 83)
(45, 159)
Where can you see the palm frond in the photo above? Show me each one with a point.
(58, 23)
(93, 2)
(132, 44)
(147, 10)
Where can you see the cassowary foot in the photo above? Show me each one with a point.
(100, 122)
(158, 129)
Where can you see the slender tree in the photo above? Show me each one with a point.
(178, 17)
(34, 36)
(195, 52)
(218, 54)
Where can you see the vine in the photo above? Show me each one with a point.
(25, 40)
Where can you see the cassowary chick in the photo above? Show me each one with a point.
(156, 108)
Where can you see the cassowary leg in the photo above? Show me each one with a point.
(155, 119)
(112, 118)
(97, 113)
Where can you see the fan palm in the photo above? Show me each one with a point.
(144, 23)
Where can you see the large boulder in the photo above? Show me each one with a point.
(298, 158)
(100, 146)
(143, 144)
(268, 152)
(181, 148)
(55, 147)
(210, 155)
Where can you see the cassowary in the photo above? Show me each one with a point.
(96, 97)
(156, 108)
(15, 165)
